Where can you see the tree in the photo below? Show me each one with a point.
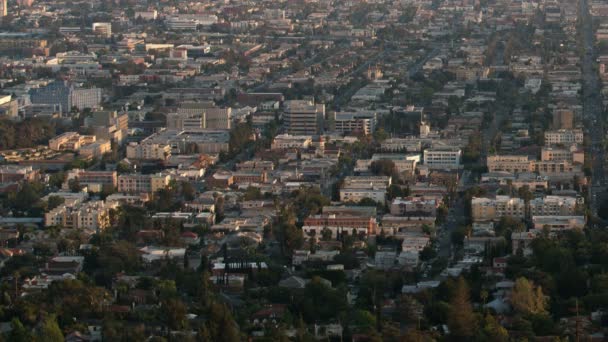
(50, 331)
(19, 333)
(383, 167)
(526, 298)
(492, 330)
(461, 319)
(54, 201)
(174, 311)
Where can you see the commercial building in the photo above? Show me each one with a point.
(355, 122)
(303, 117)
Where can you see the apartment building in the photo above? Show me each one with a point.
(557, 170)
(573, 154)
(553, 206)
(565, 137)
(508, 163)
(492, 209)
(92, 216)
(138, 183)
(303, 117)
(445, 157)
(414, 206)
(148, 151)
(338, 224)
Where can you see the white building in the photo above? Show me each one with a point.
(443, 157)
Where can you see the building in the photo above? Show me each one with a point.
(566, 137)
(559, 223)
(3, 8)
(339, 224)
(488, 209)
(211, 116)
(414, 206)
(138, 183)
(207, 141)
(356, 189)
(93, 179)
(563, 118)
(96, 149)
(557, 170)
(70, 141)
(67, 95)
(443, 157)
(553, 206)
(508, 163)
(287, 141)
(355, 122)
(148, 151)
(303, 117)
(92, 216)
(102, 29)
(573, 155)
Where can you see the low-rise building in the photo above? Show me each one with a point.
(491, 209)
(138, 183)
(444, 157)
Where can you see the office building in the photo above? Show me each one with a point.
(303, 117)
(67, 95)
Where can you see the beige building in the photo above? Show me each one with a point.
(96, 149)
(138, 183)
(573, 154)
(508, 163)
(148, 151)
(492, 209)
(70, 141)
(92, 216)
(553, 206)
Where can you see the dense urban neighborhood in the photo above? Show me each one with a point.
(303, 170)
